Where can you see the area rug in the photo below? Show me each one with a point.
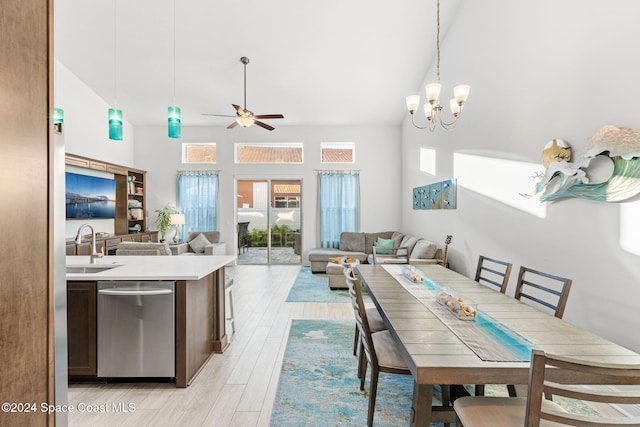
(319, 385)
(310, 287)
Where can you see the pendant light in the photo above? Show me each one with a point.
(174, 117)
(115, 115)
(432, 108)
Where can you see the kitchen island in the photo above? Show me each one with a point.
(200, 328)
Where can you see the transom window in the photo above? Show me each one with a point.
(338, 152)
(285, 152)
(199, 152)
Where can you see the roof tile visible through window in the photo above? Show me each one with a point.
(337, 155)
(269, 154)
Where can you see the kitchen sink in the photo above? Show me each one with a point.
(83, 269)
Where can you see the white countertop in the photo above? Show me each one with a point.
(149, 267)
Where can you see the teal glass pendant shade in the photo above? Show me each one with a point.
(58, 115)
(174, 121)
(115, 124)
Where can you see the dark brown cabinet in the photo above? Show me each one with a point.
(82, 329)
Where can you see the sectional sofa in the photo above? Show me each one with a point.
(360, 246)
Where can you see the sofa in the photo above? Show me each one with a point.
(208, 244)
(360, 246)
(143, 248)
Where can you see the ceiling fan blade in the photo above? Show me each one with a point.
(238, 108)
(232, 125)
(263, 125)
(216, 115)
(270, 116)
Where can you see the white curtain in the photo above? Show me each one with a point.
(338, 204)
(197, 199)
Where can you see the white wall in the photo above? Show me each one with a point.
(538, 70)
(378, 157)
(86, 121)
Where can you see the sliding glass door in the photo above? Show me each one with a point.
(269, 221)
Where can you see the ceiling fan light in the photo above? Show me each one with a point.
(245, 121)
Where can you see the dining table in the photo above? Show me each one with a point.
(492, 347)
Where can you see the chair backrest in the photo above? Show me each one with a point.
(360, 313)
(397, 254)
(543, 289)
(580, 372)
(493, 272)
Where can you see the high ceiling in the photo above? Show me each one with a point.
(330, 62)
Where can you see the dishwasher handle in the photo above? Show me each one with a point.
(122, 292)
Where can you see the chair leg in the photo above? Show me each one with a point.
(373, 388)
(446, 394)
(512, 390)
(479, 390)
(362, 368)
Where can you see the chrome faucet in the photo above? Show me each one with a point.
(94, 254)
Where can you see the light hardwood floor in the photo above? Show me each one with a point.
(236, 388)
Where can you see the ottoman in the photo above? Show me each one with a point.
(335, 273)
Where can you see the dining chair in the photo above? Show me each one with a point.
(378, 349)
(394, 255)
(493, 272)
(537, 409)
(373, 315)
(543, 289)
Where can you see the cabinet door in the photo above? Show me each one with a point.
(81, 328)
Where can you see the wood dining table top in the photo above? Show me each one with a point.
(436, 355)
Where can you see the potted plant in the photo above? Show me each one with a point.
(164, 220)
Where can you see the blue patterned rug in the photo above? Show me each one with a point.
(319, 385)
(310, 287)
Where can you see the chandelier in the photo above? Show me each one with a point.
(432, 108)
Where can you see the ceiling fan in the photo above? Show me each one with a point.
(244, 117)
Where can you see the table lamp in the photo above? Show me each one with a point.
(177, 219)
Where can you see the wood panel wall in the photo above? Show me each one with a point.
(26, 358)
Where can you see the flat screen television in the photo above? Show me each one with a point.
(90, 197)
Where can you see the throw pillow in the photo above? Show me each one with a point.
(384, 243)
(408, 241)
(199, 243)
(424, 249)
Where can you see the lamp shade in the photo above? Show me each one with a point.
(115, 124)
(174, 119)
(58, 115)
(177, 219)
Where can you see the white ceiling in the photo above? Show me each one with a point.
(330, 62)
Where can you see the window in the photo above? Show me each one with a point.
(199, 152)
(428, 160)
(287, 202)
(338, 152)
(286, 152)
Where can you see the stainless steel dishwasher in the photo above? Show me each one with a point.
(136, 329)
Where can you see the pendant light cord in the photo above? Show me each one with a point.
(174, 52)
(115, 57)
(438, 39)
